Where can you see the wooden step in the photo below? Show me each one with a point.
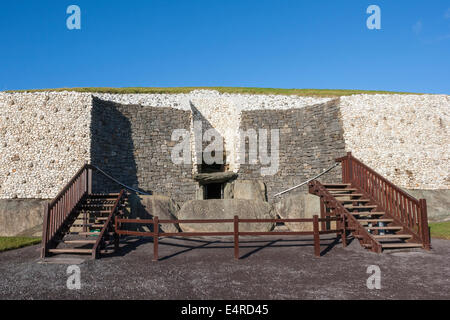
(370, 213)
(384, 228)
(94, 211)
(95, 205)
(103, 195)
(70, 250)
(401, 245)
(375, 220)
(79, 241)
(340, 190)
(84, 233)
(90, 225)
(359, 207)
(90, 220)
(353, 200)
(336, 195)
(332, 185)
(393, 236)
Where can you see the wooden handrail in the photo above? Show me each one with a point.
(108, 224)
(339, 210)
(401, 206)
(68, 185)
(59, 209)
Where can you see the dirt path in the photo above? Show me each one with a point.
(270, 268)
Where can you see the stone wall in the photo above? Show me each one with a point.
(310, 139)
(133, 144)
(21, 217)
(46, 137)
(44, 140)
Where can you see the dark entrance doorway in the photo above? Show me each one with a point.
(213, 191)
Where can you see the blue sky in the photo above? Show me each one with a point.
(276, 43)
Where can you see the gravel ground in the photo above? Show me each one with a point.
(270, 268)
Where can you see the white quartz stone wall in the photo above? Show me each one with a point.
(45, 137)
(403, 137)
(44, 140)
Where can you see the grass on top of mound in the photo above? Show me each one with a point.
(241, 90)
(440, 229)
(10, 243)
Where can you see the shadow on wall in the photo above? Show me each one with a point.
(112, 147)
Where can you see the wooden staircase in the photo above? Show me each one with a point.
(80, 222)
(379, 214)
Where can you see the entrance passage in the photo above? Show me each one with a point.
(213, 191)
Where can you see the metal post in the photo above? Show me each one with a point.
(155, 238)
(316, 236)
(236, 237)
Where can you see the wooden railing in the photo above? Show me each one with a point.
(59, 209)
(156, 234)
(402, 207)
(337, 209)
(109, 226)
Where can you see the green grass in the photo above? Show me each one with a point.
(440, 229)
(242, 90)
(10, 243)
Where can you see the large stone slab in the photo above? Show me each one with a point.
(21, 216)
(147, 207)
(215, 177)
(226, 209)
(246, 189)
(438, 203)
(297, 206)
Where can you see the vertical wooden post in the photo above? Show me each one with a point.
(425, 232)
(116, 235)
(316, 236)
(337, 223)
(89, 181)
(322, 214)
(349, 167)
(45, 230)
(236, 237)
(155, 238)
(344, 232)
(85, 222)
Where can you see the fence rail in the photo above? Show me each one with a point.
(340, 231)
(402, 207)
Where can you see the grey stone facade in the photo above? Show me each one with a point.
(310, 139)
(133, 144)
